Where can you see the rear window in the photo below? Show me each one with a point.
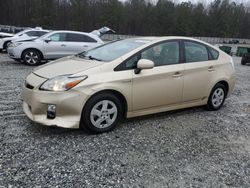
(41, 33)
(31, 33)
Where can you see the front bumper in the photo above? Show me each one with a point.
(69, 105)
(13, 53)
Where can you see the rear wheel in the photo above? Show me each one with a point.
(243, 62)
(217, 97)
(32, 57)
(101, 113)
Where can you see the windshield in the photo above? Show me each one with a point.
(113, 50)
(21, 32)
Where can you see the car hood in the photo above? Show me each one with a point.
(24, 39)
(67, 65)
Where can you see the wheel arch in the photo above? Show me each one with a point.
(5, 44)
(42, 57)
(118, 94)
(223, 82)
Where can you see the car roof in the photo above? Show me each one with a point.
(162, 38)
(68, 31)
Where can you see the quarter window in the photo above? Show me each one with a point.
(195, 52)
(215, 53)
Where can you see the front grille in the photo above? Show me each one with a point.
(29, 86)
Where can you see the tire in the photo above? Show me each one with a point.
(217, 97)
(243, 63)
(5, 45)
(96, 118)
(32, 57)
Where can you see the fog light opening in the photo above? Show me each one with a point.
(51, 111)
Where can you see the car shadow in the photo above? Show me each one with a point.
(54, 130)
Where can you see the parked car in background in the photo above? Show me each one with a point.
(246, 58)
(128, 78)
(23, 35)
(53, 45)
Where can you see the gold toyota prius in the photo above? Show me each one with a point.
(128, 78)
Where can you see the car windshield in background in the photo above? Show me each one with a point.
(111, 51)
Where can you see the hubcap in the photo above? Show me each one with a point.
(31, 58)
(218, 97)
(103, 114)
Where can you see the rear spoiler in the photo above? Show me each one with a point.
(102, 31)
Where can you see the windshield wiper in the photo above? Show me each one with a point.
(93, 58)
(81, 55)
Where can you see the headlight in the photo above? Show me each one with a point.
(13, 45)
(61, 83)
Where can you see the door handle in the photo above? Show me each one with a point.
(85, 46)
(63, 45)
(211, 69)
(177, 75)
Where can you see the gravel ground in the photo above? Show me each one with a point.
(185, 148)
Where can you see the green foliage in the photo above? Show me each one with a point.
(222, 18)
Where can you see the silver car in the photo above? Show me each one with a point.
(53, 45)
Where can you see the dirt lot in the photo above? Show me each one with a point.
(186, 148)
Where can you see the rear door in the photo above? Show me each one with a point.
(80, 42)
(199, 70)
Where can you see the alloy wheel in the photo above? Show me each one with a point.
(31, 58)
(103, 114)
(218, 97)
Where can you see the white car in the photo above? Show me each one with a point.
(23, 35)
(53, 45)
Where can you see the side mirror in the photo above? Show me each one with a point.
(144, 64)
(47, 40)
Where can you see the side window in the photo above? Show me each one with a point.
(195, 52)
(215, 53)
(166, 53)
(73, 37)
(89, 39)
(31, 33)
(58, 37)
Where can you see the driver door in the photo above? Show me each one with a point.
(162, 85)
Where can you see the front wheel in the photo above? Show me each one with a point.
(31, 57)
(217, 97)
(5, 45)
(101, 113)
